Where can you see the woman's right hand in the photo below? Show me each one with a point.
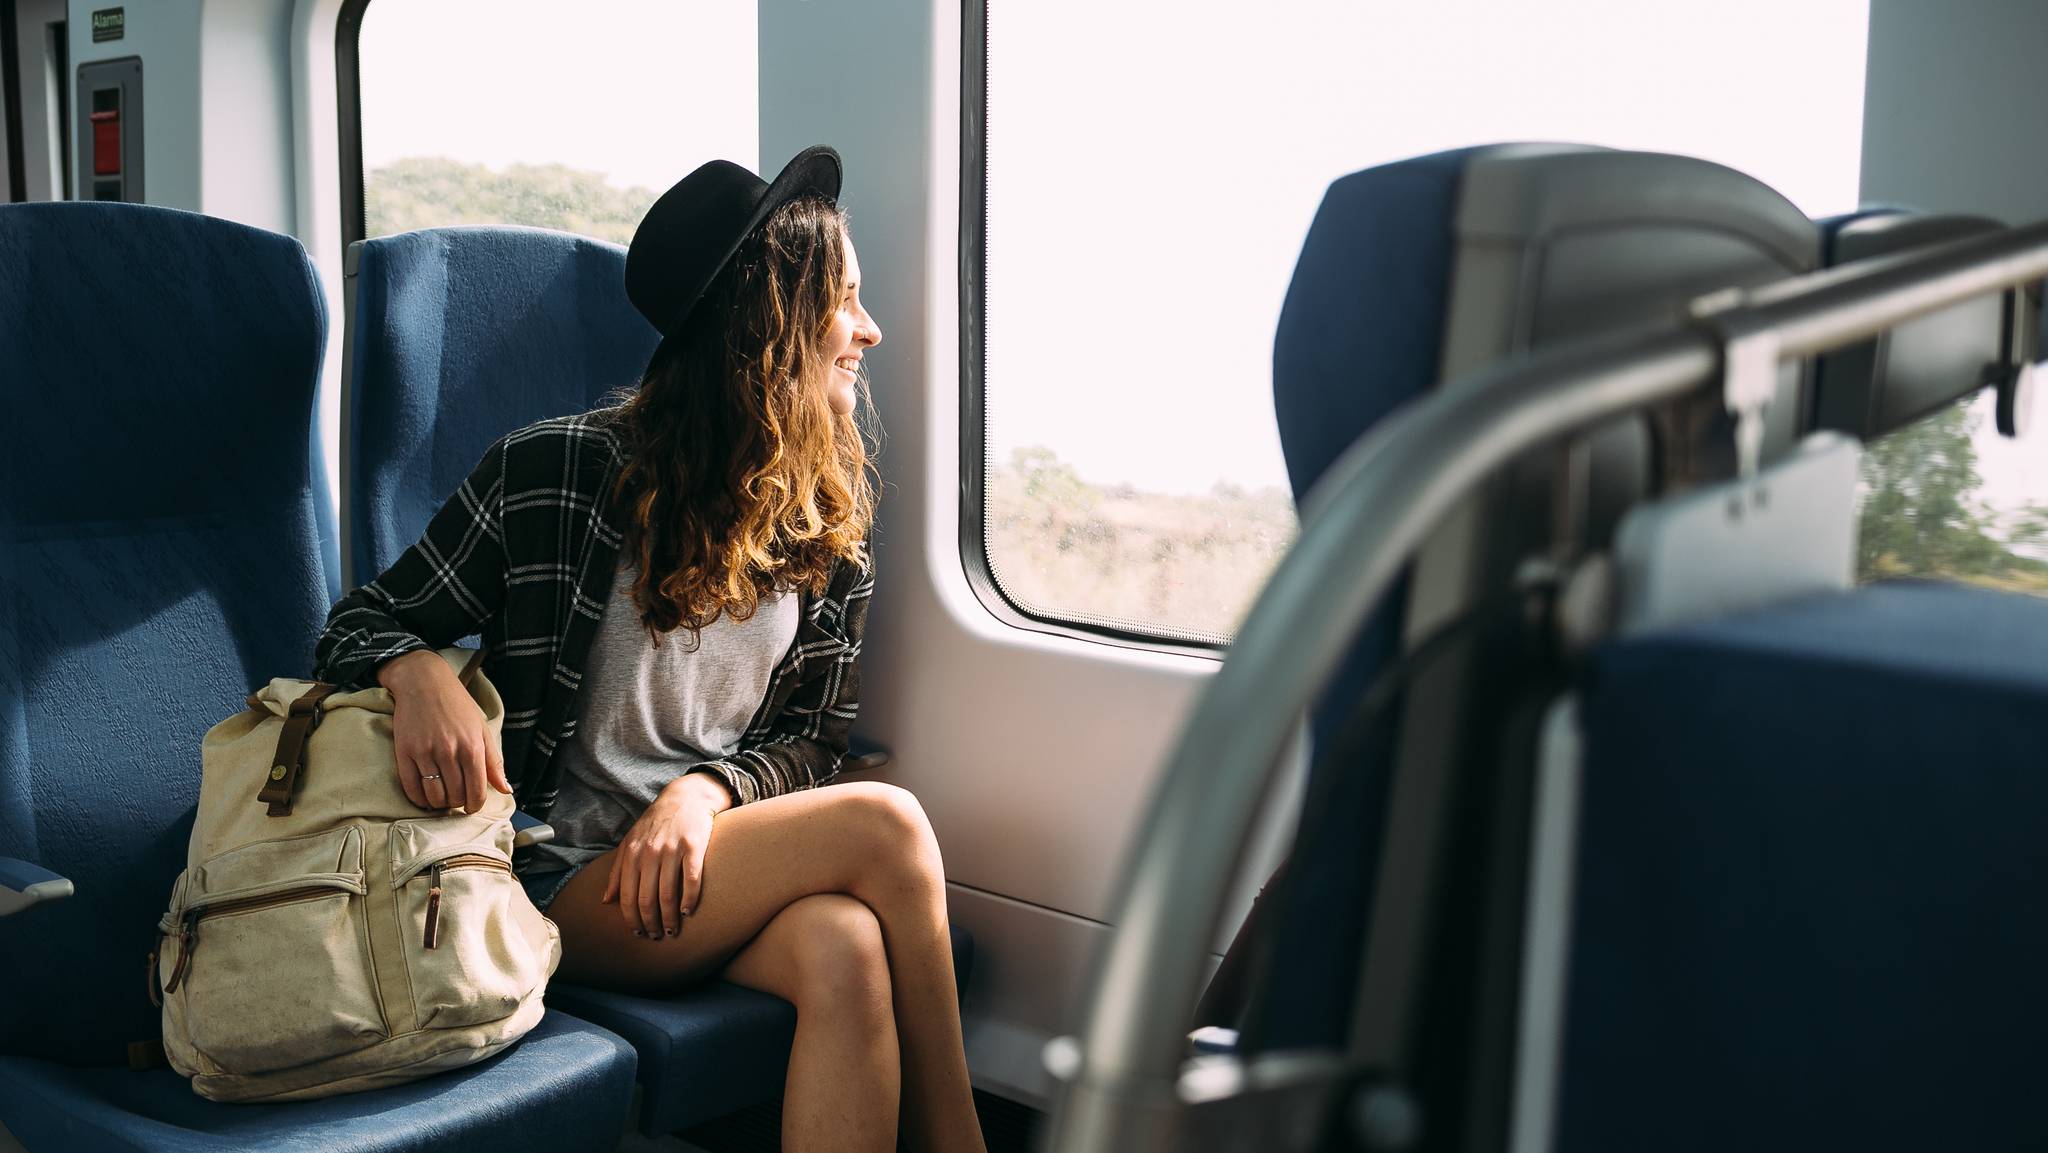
(447, 754)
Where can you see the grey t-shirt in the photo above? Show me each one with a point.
(650, 712)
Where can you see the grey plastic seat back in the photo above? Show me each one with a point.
(1413, 275)
(1918, 368)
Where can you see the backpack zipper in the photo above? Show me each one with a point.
(188, 928)
(432, 935)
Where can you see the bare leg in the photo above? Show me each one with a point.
(866, 840)
(824, 954)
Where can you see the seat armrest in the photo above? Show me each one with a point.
(23, 884)
(863, 756)
(530, 830)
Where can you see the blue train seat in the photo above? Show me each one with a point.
(458, 336)
(1807, 832)
(1809, 860)
(1419, 272)
(167, 543)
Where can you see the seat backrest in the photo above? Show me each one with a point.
(166, 545)
(1422, 271)
(1804, 829)
(457, 336)
(1872, 388)
(1809, 859)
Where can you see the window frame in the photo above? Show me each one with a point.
(10, 101)
(348, 82)
(975, 561)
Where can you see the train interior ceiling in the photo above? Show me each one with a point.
(1546, 495)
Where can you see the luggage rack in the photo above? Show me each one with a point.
(1128, 1076)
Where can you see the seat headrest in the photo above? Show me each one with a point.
(152, 341)
(457, 337)
(1427, 269)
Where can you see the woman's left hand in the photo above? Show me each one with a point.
(658, 870)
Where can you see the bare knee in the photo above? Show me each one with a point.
(894, 830)
(838, 964)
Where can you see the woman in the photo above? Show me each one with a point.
(672, 593)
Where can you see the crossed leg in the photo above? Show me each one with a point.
(834, 899)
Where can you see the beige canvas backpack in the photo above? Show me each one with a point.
(327, 936)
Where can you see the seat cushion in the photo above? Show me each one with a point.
(712, 1050)
(1811, 863)
(703, 1053)
(567, 1085)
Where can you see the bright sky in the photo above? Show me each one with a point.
(641, 90)
(2014, 473)
(1154, 164)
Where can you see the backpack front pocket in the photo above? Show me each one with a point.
(475, 947)
(269, 955)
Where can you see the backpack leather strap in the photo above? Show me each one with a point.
(283, 778)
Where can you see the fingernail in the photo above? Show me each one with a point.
(640, 932)
(671, 932)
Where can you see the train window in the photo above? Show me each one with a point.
(1949, 498)
(502, 112)
(1148, 178)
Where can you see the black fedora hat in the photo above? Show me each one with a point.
(693, 231)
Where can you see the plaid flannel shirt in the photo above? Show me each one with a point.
(524, 553)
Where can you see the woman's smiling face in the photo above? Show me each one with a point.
(853, 332)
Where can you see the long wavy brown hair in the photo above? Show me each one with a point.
(740, 479)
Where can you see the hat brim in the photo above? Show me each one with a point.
(814, 170)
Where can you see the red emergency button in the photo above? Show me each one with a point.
(106, 143)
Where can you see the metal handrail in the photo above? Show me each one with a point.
(1360, 524)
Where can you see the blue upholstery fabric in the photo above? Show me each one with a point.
(18, 874)
(702, 1054)
(713, 1050)
(459, 336)
(1361, 328)
(166, 545)
(1811, 869)
(1360, 334)
(566, 1085)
